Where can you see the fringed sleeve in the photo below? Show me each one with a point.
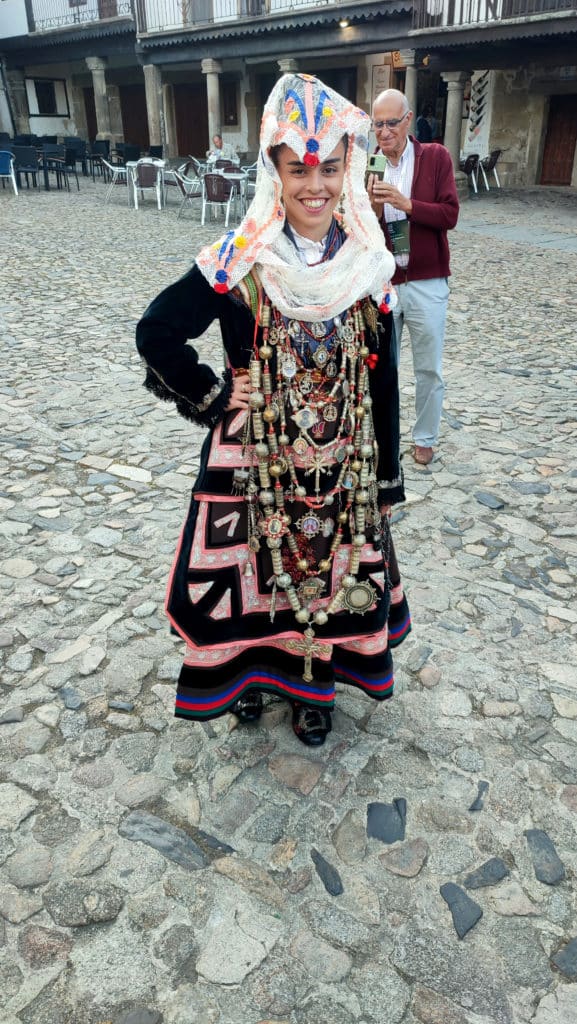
(384, 384)
(173, 370)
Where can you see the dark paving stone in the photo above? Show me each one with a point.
(490, 500)
(72, 700)
(12, 715)
(525, 487)
(210, 844)
(173, 843)
(464, 910)
(387, 821)
(515, 579)
(120, 705)
(479, 801)
(565, 960)
(549, 868)
(328, 875)
(491, 872)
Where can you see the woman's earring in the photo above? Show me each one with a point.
(341, 210)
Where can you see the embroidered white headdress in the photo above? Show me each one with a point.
(311, 119)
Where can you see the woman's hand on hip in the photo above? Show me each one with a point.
(240, 393)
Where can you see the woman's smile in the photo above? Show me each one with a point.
(310, 194)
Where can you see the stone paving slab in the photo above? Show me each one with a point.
(156, 871)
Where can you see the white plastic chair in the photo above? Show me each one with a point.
(488, 164)
(7, 168)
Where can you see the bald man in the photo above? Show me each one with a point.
(416, 203)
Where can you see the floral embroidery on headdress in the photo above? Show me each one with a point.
(311, 119)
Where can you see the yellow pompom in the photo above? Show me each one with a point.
(240, 242)
(328, 111)
(294, 116)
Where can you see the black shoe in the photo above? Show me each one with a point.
(248, 708)
(311, 725)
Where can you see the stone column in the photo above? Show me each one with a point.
(115, 115)
(78, 107)
(154, 106)
(97, 67)
(16, 88)
(408, 59)
(252, 121)
(169, 121)
(453, 124)
(288, 65)
(453, 121)
(212, 69)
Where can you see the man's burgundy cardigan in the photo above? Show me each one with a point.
(435, 211)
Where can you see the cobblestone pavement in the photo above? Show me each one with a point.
(154, 870)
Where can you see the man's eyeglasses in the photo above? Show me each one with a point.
(391, 124)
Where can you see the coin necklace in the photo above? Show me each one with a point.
(273, 481)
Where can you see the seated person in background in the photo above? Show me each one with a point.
(221, 150)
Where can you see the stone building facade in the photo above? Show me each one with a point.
(174, 72)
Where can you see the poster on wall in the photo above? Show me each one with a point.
(380, 79)
(479, 116)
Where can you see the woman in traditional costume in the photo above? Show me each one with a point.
(285, 579)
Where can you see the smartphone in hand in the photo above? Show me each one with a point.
(376, 165)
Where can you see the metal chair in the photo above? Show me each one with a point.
(490, 164)
(98, 148)
(114, 175)
(190, 188)
(147, 175)
(130, 152)
(78, 146)
(470, 167)
(250, 183)
(217, 192)
(7, 168)
(26, 162)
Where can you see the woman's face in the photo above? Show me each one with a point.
(310, 194)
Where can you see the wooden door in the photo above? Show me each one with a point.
(134, 115)
(560, 141)
(90, 108)
(191, 116)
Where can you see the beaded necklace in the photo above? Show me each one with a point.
(287, 398)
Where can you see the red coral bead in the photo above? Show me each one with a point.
(311, 160)
(220, 287)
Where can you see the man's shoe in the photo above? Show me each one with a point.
(248, 708)
(422, 455)
(311, 725)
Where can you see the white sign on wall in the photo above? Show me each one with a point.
(480, 110)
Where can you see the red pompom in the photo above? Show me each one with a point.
(311, 160)
(221, 287)
(372, 360)
(384, 308)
